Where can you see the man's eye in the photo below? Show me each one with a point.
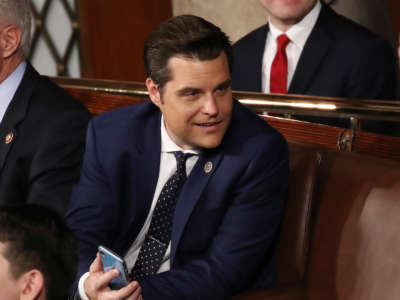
(191, 94)
(221, 89)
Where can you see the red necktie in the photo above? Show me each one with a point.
(278, 76)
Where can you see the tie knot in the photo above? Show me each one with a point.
(181, 160)
(283, 41)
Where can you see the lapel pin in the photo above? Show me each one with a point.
(208, 167)
(9, 138)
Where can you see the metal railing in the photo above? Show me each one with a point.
(353, 109)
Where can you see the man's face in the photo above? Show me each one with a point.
(285, 13)
(9, 286)
(197, 102)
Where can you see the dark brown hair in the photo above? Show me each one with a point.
(35, 237)
(185, 35)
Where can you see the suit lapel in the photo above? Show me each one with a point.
(146, 164)
(259, 48)
(315, 50)
(190, 195)
(16, 113)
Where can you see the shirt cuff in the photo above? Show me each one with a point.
(81, 288)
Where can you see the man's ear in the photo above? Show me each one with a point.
(31, 285)
(10, 39)
(154, 92)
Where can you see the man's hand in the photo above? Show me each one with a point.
(96, 285)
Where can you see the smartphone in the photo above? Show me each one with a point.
(111, 260)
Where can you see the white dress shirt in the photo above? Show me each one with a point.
(9, 86)
(298, 35)
(167, 169)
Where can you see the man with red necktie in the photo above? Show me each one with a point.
(327, 55)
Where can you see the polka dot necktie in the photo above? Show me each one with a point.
(158, 236)
(279, 67)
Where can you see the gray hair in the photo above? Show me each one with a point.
(18, 13)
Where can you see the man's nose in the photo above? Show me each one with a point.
(210, 106)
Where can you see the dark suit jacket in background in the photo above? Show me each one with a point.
(225, 221)
(373, 14)
(44, 157)
(339, 59)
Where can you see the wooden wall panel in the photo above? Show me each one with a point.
(394, 8)
(113, 33)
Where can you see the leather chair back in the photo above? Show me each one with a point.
(355, 252)
(294, 238)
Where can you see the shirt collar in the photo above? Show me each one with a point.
(299, 33)
(9, 86)
(12, 81)
(168, 145)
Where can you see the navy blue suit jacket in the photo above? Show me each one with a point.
(225, 221)
(339, 59)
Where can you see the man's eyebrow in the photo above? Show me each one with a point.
(227, 83)
(185, 90)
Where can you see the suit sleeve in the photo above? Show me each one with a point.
(374, 75)
(243, 239)
(57, 163)
(91, 213)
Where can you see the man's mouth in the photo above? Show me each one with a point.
(208, 124)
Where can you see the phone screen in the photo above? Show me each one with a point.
(111, 260)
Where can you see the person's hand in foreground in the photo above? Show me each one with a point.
(96, 285)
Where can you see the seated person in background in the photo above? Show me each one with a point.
(307, 48)
(38, 256)
(191, 178)
(42, 128)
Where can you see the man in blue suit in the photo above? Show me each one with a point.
(229, 208)
(327, 55)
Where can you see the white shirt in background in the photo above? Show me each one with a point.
(298, 35)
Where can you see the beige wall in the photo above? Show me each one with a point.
(235, 17)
